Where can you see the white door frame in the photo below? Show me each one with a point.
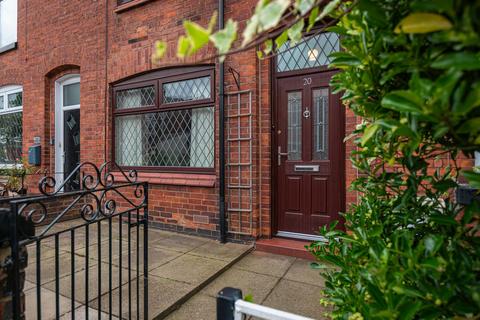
(59, 111)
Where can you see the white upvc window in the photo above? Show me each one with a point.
(11, 108)
(8, 23)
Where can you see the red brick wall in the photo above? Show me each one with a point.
(58, 37)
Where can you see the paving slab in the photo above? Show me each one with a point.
(200, 307)
(45, 252)
(180, 243)
(265, 263)
(47, 303)
(189, 269)
(302, 272)
(156, 258)
(255, 284)
(81, 313)
(93, 280)
(47, 267)
(296, 297)
(162, 294)
(221, 251)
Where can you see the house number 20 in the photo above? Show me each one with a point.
(307, 81)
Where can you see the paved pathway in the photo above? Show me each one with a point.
(179, 266)
(277, 281)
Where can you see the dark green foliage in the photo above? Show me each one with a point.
(410, 251)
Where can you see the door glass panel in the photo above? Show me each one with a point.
(71, 94)
(71, 134)
(320, 124)
(294, 125)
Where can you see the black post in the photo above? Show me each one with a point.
(221, 135)
(226, 299)
(16, 294)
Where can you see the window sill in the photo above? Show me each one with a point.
(8, 47)
(176, 179)
(129, 5)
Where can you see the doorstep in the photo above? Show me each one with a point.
(286, 247)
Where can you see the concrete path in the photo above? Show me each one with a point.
(179, 267)
(276, 281)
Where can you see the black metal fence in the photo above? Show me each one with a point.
(93, 220)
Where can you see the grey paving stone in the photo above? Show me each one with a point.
(162, 293)
(199, 307)
(190, 269)
(80, 313)
(222, 251)
(47, 267)
(258, 285)
(302, 272)
(180, 243)
(295, 297)
(46, 252)
(47, 303)
(93, 280)
(265, 263)
(156, 257)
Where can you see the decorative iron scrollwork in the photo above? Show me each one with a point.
(96, 199)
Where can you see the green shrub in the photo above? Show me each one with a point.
(411, 70)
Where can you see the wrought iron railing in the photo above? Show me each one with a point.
(100, 201)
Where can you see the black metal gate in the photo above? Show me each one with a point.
(94, 239)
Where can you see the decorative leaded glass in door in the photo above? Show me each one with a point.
(294, 146)
(311, 53)
(320, 124)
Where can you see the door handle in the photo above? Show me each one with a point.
(280, 154)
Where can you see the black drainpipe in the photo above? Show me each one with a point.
(221, 136)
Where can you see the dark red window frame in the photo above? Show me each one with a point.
(157, 79)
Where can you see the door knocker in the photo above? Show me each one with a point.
(306, 113)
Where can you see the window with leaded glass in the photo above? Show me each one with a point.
(11, 105)
(166, 122)
(313, 51)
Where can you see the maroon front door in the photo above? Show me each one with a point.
(309, 154)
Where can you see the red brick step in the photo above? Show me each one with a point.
(283, 246)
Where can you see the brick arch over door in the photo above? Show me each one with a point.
(50, 78)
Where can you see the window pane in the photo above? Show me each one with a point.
(11, 138)
(187, 90)
(136, 98)
(14, 100)
(8, 22)
(309, 54)
(180, 138)
(295, 125)
(71, 94)
(2, 102)
(320, 124)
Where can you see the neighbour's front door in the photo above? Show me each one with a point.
(67, 129)
(309, 154)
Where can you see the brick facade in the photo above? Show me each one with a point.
(105, 45)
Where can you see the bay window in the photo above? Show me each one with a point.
(11, 105)
(166, 122)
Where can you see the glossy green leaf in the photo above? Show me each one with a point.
(295, 33)
(270, 15)
(329, 7)
(224, 38)
(160, 49)
(303, 6)
(423, 22)
(197, 35)
(403, 101)
(183, 47)
(459, 61)
(369, 133)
